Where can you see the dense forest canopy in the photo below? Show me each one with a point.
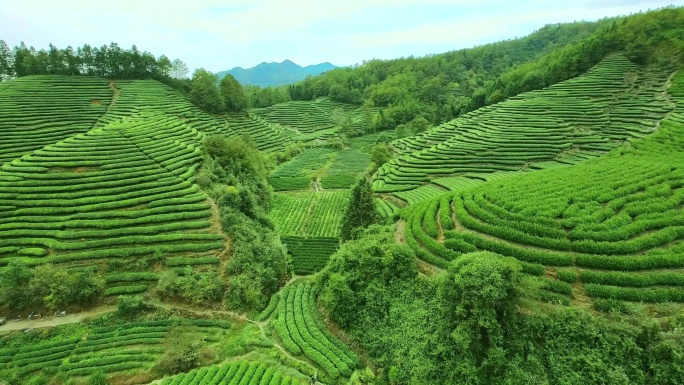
(441, 87)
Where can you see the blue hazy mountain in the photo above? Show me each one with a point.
(275, 74)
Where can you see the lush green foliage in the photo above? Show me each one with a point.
(197, 288)
(361, 211)
(467, 327)
(214, 97)
(440, 87)
(80, 350)
(234, 174)
(47, 286)
(359, 268)
(107, 61)
(117, 198)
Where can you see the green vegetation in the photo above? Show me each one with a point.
(475, 320)
(234, 174)
(310, 223)
(296, 325)
(214, 97)
(441, 87)
(106, 61)
(238, 372)
(118, 197)
(361, 211)
(78, 351)
(616, 218)
(537, 238)
(47, 286)
(76, 103)
(309, 213)
(615, 101)
(310, 255)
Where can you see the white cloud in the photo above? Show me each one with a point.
(218, 35)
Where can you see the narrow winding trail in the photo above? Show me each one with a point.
(52, 321)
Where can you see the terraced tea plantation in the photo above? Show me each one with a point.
(332, 169)
(302, 333)
(611, 227)
(234, 373)
(122, 191)
(298, 173)
(112, 349)
(39, 110)
(563, 124)
(269, 137)
(304, 117)
(310, 222)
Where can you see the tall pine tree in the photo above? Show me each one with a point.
(361, 211)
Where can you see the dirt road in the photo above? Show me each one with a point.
(50, 321)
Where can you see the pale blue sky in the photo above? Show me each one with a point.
(219, 35)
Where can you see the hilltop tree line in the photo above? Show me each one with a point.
(206, 92)
(110, 61)
(440, 87)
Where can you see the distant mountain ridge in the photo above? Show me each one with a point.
(275, 74)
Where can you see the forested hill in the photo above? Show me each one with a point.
(443, 86)
(275, 74)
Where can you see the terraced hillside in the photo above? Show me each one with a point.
(310, 223)
(563, 124)
(330, 168)
(307, 208)
(238, 372)
(39, 110)
(268, 136)
(110, 349)
(304, 117)
(316, 121)
(118, 194)
(301, 331)
(610, 227)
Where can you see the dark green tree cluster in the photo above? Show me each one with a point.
(199, 288)
(217, 97)
(234, 175)
(260, 97)
(381, 154)
(361, 211)
(470, 326)
(358, 273)
(440, 87)
(109, 61)
(47, 287)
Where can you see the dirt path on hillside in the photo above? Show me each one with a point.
(52, 321)
(174, 306)
(400, 232)
(428, 269)
(280, 347)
